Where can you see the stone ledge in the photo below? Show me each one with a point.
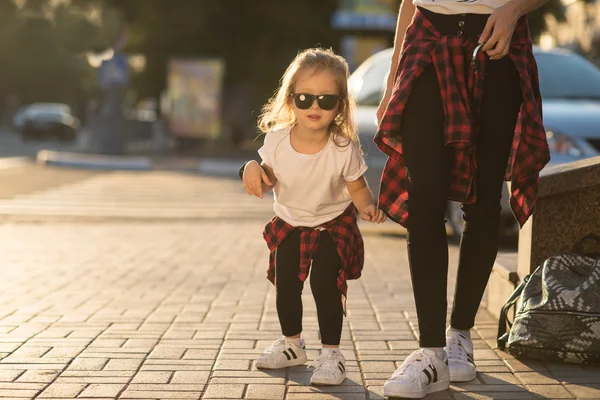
(568, 177)
(567, 209)
(502, 283)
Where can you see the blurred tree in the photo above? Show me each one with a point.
(43, 48)
(537, 21)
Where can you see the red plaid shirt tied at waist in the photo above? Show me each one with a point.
(461, 89)
(343, 231)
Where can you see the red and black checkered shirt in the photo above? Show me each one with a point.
(462, 91)
(345, 234)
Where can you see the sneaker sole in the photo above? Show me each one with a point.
(463, 378)
(289, 363)
(323, 383)
(434, 387)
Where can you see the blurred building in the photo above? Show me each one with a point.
(367, 26)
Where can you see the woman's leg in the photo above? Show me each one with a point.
(323, 282)
(429, 162)
(479, 244)
(288, 285)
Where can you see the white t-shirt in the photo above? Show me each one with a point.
(460, 6)
(311, 188)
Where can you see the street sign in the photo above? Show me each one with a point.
(113, 72)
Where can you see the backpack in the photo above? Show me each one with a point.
(556, 310)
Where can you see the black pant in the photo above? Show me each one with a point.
(323, 282)
(428, 161)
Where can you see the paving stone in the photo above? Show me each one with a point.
(498, 379)
(131, 394)
(190, 377)
(591, 391)
(536, 378)
(492, 396)
(232, 364)
(102, 390)
(123, 365)
(166, 387)
(265, 392)
(88, 364)
(10, 375)
(374, 366)
(550, 391)
(224, 391)
(65, 390)
(152, 377)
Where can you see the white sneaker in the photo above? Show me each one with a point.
(420, 374)
(282, 354)
(460, 357)
(330, 368)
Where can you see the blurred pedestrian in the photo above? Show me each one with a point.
(312, 159)
(460, 114)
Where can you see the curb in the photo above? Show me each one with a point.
(14, 162)
(93, 161)
(209, 166)
(216, 167)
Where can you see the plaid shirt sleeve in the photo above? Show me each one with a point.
(461, 90)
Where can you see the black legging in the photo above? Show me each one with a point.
(428, 161)
(323, 282)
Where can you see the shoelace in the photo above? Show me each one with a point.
(275, 345)
(330, 362)
(456, 350)
(415, 364)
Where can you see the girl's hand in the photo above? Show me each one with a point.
(498, 31)
(254, 176)
(372, 214)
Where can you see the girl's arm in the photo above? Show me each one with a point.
(362, 197)
(258, 178)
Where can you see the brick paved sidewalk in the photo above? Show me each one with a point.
(168, 309)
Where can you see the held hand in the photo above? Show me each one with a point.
(498, 32)
(253, 178)
(372, 214)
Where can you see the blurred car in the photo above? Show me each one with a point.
(47, 120)
(19, 117)
(570, 88)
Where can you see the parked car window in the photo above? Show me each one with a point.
(568, 76)
(373, 85)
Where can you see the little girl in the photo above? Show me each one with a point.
(312, 160)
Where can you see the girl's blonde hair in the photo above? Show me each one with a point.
(278, 113)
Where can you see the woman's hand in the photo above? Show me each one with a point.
(498, 31)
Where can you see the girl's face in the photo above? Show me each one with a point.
(320, 87)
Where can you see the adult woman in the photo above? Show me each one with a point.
(461, 114)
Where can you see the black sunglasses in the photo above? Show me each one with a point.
(326, 102)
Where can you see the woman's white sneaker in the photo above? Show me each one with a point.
(281, 354)
(420, 374)
(460, 356)
(330, 368)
